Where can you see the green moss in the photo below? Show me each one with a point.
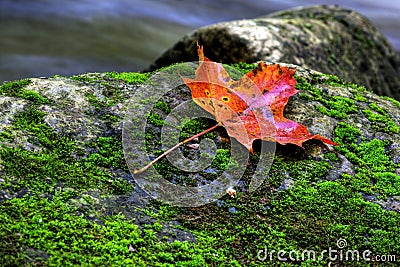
(244, 67)
(60, 159)
(360, 98)
(394, 101)
(96, 102)
(305, 169)
(340, 107)
(129, 77)
(108, 101)
(109, 153)
(378, 109)
(346, 133)
(360, 182)
(381, 122)
(161, 211)
(373, 165)
(17, 89)
(189, 129)
(155, 120)
(308, 25)
(4, 136)
(333, 106)
(332, 59)
(331, 156)
(57, 237)
(152, 139)
(88, 78)
(41, 171)
(13, 88)
(32, 121)
(102, 106)
(222, 159)
(327, 79)
(360, 35)
(374, 155)
(387, 183)
(336, 106)
(119, 186)
(306, 216)
(110, 118)
(99, 78)
(195, 126)
(306, 97)
(163, 106)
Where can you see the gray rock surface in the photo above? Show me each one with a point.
(329, 39)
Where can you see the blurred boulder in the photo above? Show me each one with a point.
(329, 39)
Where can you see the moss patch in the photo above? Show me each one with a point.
(244, 67)
(17, 89)
(381, 122)
(4, 136)
(374, 165)
(333, 106)
(340, 107)
(56, 236)
(126, 77)
(394, 101)
(129, 77)
(60, 160)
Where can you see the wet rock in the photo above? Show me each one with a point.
(329, 39)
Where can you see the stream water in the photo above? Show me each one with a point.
(66, 37)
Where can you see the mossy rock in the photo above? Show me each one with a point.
(67, 197)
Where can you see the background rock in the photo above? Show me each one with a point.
(325, 38)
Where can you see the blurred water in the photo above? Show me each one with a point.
(66, 37)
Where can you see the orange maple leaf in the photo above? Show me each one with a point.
(252, 107)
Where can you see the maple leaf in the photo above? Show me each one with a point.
(255, 102)
(250, 108)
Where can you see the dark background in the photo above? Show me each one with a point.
(66, 37)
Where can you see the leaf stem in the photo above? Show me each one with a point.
(175, 147)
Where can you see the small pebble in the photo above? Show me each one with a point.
(232, 209)
(231, 192)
